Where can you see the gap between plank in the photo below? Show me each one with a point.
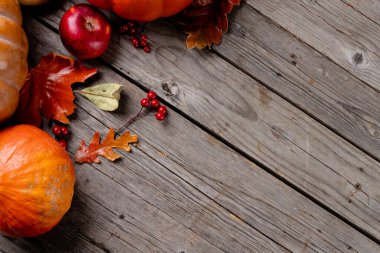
(234, 147)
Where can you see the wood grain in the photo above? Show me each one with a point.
(61, 239)
(169, 210)
(187, 170)
(333, 28)
(7, 246)
(368, 8)
(305, 77)
(256, 121)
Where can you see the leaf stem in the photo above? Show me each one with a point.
(139, 115)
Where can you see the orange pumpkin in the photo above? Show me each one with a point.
(13, 54)
(36, 182)
(142, 10)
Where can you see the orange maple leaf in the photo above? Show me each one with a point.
(91, 153)
(47, 90)
(205, 21)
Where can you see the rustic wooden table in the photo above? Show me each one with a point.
(272, 144)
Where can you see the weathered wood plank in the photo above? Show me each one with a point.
(256, 121)
(7, 246)
(369, 8)
(160, 193)
(305, 77)
(62, 238)
(227, 179)
(128, 218)
(335, 29)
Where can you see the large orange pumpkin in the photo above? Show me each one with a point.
(142, 10)
(36, 182)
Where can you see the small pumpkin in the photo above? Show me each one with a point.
(13, 57)
(142, 10)
(36, 181)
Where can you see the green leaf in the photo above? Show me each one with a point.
(105, 96)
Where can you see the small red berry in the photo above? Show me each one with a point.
(147, 49)
(145, 102)
(123, 29)
(132, 30)
(136, 43)
(144, 38)
(155, 103)
(162, 109)
(131, 24)
(151, 95)
(160, 116)
(56, 130)
(144, 43)
(63, 143)
(132, 39)
(64, 131)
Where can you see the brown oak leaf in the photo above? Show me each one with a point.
(91, 153)
(205, 21)
(47, 90)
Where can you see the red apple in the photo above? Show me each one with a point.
(85, 31)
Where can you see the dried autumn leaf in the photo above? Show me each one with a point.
(105, 96)
(91, 153)
(205, 21)
(47, 90)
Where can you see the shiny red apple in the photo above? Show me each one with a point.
(85, 31)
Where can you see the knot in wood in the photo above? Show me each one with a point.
(358, 58)
(171, 89)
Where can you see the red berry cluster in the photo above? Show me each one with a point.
(147, 104)
(138, 41)
(152, 102)
(61, 133)
(141, 42)
(128, 28)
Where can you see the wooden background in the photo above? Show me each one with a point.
(272, 143)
